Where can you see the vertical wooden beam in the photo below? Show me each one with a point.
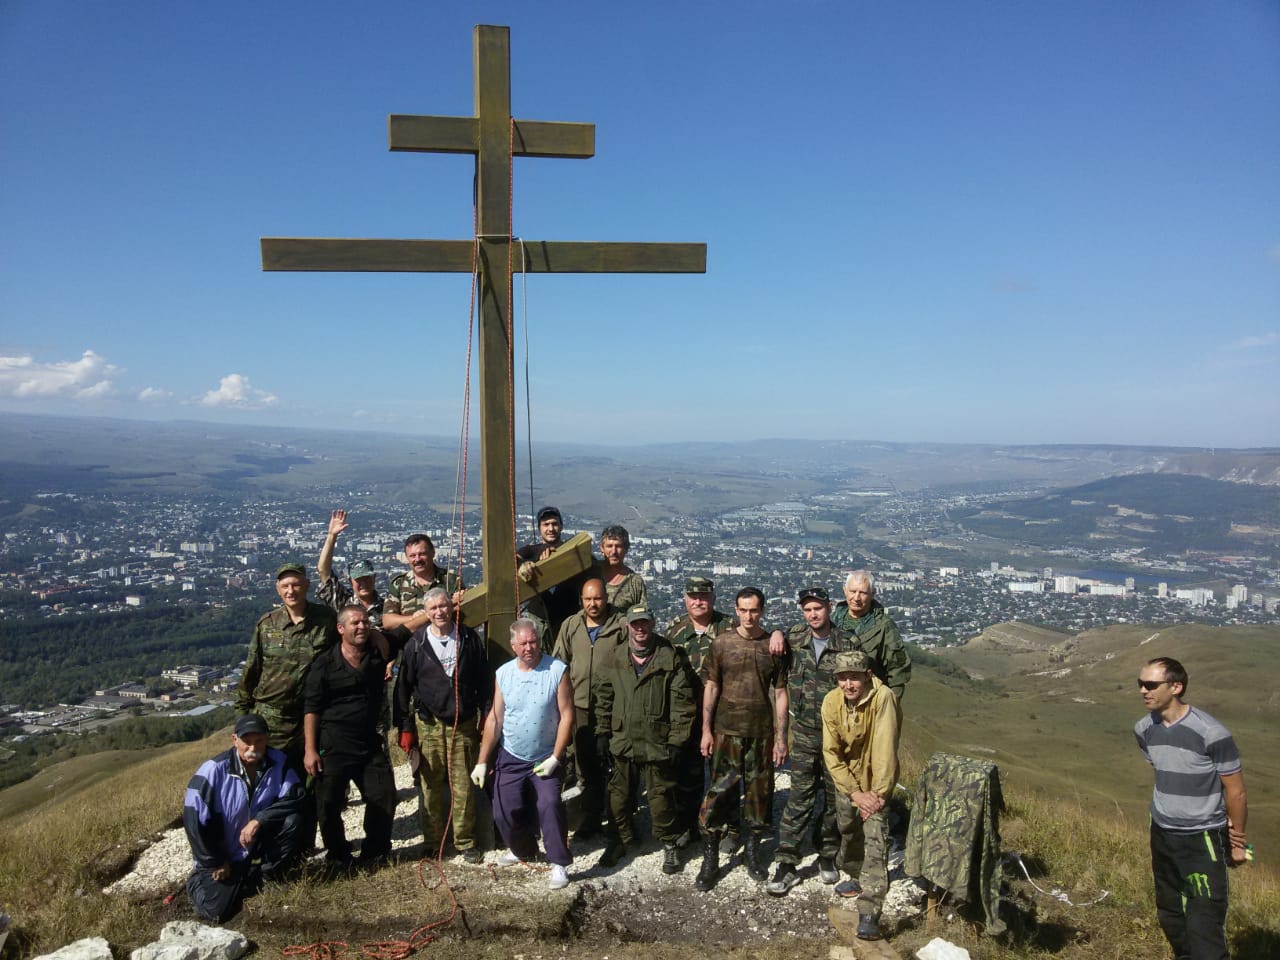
(492, 64)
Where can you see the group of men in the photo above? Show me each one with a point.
(698, 716)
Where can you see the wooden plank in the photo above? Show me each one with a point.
(432, 134)
(369, 256)
(573, 557)
(845, 921)
(555, 256)
(533, 138)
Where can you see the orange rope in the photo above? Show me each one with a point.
(511, 338)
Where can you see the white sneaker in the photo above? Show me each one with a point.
(559, 878)
(507, 859)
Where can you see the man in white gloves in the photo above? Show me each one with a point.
(529, 727)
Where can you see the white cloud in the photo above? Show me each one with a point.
(234, 390)
(1252, 343)
(88, 378)
(153, 395)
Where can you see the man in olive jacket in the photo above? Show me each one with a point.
(863, 617)
(644, 693)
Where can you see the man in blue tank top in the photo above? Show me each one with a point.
(529, 727)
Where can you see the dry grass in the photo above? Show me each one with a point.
(55, 858)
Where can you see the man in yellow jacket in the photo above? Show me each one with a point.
(860, 723)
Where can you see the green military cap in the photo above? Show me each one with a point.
(813, 593)
(852, 661)
(639, 612)
(361, 568)
(699, 585)
(294, 568)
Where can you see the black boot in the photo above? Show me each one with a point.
(751, 856)
(670, 858)
(706, 878)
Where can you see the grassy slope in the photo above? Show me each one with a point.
(1076, 810)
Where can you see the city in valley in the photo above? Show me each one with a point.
(104, 552)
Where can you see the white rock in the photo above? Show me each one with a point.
(175, 950)
(209, 943)
(90, 948)
(939, 949)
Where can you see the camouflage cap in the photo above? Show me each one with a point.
(813, 593)
(852, 661)
(296, 569)
(361, 568)
(639, 612)
(699, 585)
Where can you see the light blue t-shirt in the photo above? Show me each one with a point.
(530, 715)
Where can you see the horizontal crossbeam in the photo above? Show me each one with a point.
(533, 138)
(455, 256)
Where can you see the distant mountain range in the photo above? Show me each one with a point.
(658, 479)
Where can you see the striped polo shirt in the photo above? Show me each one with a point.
(1189, 757)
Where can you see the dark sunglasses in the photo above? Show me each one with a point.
(1151, 684)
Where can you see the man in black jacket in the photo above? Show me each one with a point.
(443, 691)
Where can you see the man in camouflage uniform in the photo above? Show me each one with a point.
(693, 633)
(860, 723)
(585, 641)
(644, 692)
(814, 645)
(284, 643)
(743, 734)
(863, 617)
(626, 587)
(334, 592)
(402, 610)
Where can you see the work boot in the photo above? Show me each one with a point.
(613, 853)
(827, 871)
(670, 858)
(868, 927)
(757, 869)
(706, 878)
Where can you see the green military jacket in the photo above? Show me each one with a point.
(405, 595)
(276, 665)
(682, 635)
(877, 636)
(646, 715)
(811, 678)
(573, 646)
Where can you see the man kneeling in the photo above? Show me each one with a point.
(243, 816)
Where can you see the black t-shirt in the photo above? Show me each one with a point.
(348, 699)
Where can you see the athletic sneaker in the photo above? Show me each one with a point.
(848, 888)
(784, 878)
(507, 859)
(559, 877)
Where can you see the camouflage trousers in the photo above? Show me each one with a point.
(809, 780)
(745, 762)
(445, 792)
(864, 852)
(659, 783)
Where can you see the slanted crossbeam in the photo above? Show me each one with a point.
(494, 137)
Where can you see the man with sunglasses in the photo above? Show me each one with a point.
(1198, 812)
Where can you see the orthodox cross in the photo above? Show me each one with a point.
(493, 137)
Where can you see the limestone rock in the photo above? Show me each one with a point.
(208, 943)
(90, 948)
(161, 950)
(939, 949)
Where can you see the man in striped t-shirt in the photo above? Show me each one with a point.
(1198, 812)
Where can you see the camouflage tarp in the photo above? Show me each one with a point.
(953, 840)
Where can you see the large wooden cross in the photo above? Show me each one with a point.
(494, 137)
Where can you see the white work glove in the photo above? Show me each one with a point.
(547, 767)
(478, 773)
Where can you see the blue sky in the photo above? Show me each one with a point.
(927, 221)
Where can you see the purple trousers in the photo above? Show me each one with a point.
(523, 803)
